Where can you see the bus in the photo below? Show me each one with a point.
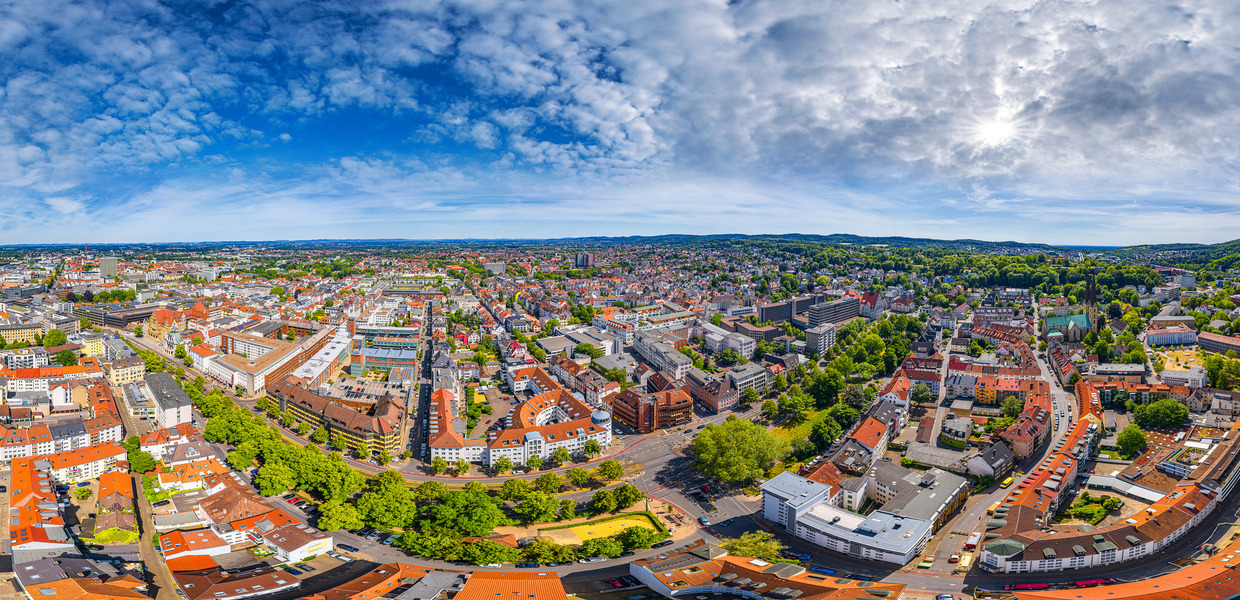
(963, 566)
(1006, 483)
(1084, 583)
(974, 538)
(1027, 586)
(993, 508)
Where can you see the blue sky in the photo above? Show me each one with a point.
(1090, 123)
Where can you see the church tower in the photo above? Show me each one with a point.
(1091, 300)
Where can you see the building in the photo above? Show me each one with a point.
(76, 578)
(1194, 377)
(700, 569)
(108, 267)
(955, 432)
(371, 429)
(172, 405)
(835, 311)
(801, 506)
(1178, 335)
(294, 542)
(645, 413)
(748, 375)
(661, 355)
(820, 338)
(713, 391)
(1210, 342)
(584, 260)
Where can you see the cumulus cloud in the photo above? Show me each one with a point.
(1070, 122)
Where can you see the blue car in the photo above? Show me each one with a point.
(527, 565)
(823, 570)
(291, 571)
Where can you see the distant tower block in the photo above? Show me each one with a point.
(107, 266)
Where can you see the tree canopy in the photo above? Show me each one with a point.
(737, 450)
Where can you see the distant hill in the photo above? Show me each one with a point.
(1199, 253)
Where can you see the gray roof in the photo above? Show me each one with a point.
(61, 431)
(796, 490)
(167, 391)
(919, 495)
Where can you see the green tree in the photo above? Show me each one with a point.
(431, 491)
(627, 495)
(320, 435)
(275, 477)
(758, 544)
(610, 470)
(534, 463)
(538, 507)
(637, 538)
(1011, 407)
(737, 450)
(1161, 414)
(592, 448)
(388, 501)
(485, 552)
(922, 394)
(854, 397)
(603, 501)
(438, 465)
(749, 396)
(303, 428)
(462, 468)
(824, 433)
(137, 330)
(514, 490)
(1131, 440)
(66, 358)
(437, 544)
(545, 551)
(467, 513)
(601, 546)
(567, 511)
(589, 350)
(716, 320)
(770, 410)
(337, 514)
(561, 455)
(728, 357)
(55, 338)
(501, 466)
(81, 493)
(548, 483)
(578, 477)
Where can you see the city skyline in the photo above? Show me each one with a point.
(1099, 125)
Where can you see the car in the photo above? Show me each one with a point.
(613, 582)
(805, 556)
(304, 567)
(387, 541)
(84, 484)
(702, 426)
(945, 597)
(626, 553)
(4, 489)
(291, 571)
(629, 579)
(527, 565)
(726, 522)
(704, 521)
(955, 557)
(347, 547)
(662, 544)
(162, 503)
(296, 501)
(926, 562)
(288, 497)
(555, 564)
(822, 570)
(374, 536)
(592, 559)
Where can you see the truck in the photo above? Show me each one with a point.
(993, 508)
(974, 538)
(966, 559)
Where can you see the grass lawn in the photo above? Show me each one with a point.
(800, 431)
(587, 531)
(1181, 359)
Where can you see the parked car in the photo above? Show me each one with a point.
(592, 559)
(725, 522)
(955, 557)
(527, 565)
(613, 582)
(304, 567)
(704, 521)
(626, 553)
(347, 547)
(661, 544)
(387, 541)
(291, 571)
(83, 484)
(162, 503)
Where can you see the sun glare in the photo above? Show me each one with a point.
(995, 132)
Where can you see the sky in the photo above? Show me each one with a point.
(1089, 123)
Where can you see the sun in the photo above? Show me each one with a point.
(994, 132)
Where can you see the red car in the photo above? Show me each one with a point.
(614, 583)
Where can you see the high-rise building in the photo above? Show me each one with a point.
(836, 311)
(585, 260)
(107, 266)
